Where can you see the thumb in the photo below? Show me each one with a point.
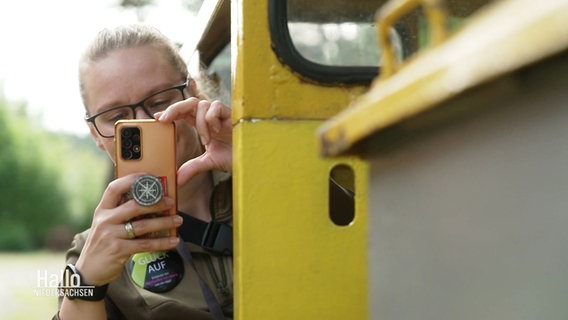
(193, 167)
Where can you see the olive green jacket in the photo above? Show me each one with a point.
(125, 300)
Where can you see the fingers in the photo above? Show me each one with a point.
(115, 191)
(102, 260)
(200, 123)
(218, 116)
(186, 109)
(192, 167)
(213, 124)
(207, 117)
(112, 210)
(150, 244)
(131, 209)
(146, 226)
(108, 243)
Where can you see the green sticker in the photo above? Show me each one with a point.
(158, 271)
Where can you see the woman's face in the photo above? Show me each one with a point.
(127, 76)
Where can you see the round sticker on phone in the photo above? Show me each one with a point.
(147, 190)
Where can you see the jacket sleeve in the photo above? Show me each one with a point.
(71, 256)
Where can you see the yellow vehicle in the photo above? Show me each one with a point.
(446, 123)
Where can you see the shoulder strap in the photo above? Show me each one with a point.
(213, 236)
(210, 299)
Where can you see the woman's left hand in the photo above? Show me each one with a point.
(213, 123)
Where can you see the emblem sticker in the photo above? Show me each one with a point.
(147, 190)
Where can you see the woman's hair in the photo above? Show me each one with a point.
(128, 36)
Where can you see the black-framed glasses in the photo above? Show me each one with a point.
(159, 101)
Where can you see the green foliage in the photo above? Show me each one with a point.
(46, 180)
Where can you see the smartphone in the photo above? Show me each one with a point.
(148, 146)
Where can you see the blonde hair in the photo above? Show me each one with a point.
(128, 36)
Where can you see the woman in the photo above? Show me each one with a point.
(127, 66)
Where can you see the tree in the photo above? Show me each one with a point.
(31, 196)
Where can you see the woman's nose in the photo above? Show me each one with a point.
(141, 114)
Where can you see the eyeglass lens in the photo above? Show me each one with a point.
(155, 103)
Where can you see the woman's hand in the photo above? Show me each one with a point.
(108, 246)
(213, 123)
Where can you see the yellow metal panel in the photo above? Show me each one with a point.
(270, 89)
(292, 262)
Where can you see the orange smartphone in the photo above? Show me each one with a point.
(149, 147)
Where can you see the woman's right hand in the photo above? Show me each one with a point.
(215, 129)
(108, 247)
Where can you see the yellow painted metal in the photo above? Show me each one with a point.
(291, 261)
(489, 44)
(392, 11)
(270, 89)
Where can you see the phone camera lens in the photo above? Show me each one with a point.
(126, 143)
(126, 132)
(127, 154)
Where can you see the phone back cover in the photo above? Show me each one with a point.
(158, 154)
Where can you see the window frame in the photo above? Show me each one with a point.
(287, 53)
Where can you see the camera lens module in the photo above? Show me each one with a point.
(130, 143)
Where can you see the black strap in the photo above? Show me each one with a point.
(210, 299)
(213, 236)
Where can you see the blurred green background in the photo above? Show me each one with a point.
(49, 182)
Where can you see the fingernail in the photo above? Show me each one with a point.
(174, 240)
(178, 220)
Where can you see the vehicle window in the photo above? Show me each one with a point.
(328, 41)
(336, 41)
